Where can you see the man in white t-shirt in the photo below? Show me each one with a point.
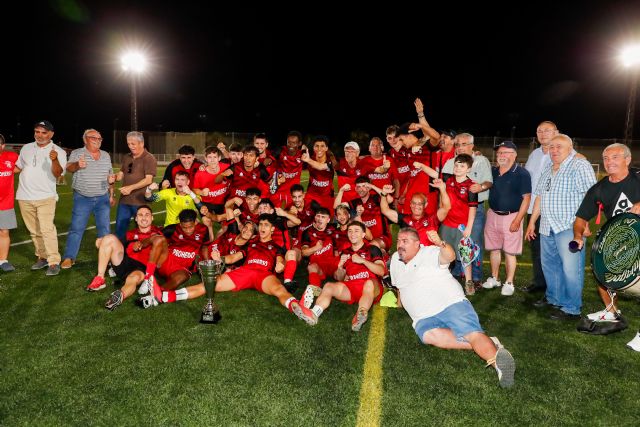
(441, 314)
(41, 163)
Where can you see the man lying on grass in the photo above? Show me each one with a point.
(434, 299)
(263, 258)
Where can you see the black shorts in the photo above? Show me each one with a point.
(128, 266)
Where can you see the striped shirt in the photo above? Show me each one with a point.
(562, 192)
(92, 180)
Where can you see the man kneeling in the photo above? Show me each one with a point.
(441, 314)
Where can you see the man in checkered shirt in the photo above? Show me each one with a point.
(560, 191)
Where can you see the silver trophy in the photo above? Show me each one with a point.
(209, 271)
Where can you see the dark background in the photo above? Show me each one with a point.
(317, 68)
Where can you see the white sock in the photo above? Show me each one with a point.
(287, 280)
(182, 294)
(3, 261)
(288, 303)
(317, 310)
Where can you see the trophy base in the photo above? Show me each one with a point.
(210, 318)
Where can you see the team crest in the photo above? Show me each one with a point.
(463, 191)
(181, 237)
(197, 237)
(270, 247)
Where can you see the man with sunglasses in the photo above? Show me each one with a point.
(41, 163)
(137, 172)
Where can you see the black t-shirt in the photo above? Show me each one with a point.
(616, 198)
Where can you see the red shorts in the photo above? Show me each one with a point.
(355, 288)
(173, 264)
(327, 263)
(248, 278)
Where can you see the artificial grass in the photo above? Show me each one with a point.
(65, 360)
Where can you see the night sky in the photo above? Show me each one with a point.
(318, 69)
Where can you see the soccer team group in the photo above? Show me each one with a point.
(269, 225)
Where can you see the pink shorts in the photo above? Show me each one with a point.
(356, 286)
(497, 235)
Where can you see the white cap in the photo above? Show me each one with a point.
(352, 144)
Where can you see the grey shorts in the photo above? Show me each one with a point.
(452, 236)
(8, 220)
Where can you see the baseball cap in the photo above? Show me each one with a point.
(352, 144)
(44, 124)
(506, 144)
(449, 132)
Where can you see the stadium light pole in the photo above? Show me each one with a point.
(135, 64)
(630, 57)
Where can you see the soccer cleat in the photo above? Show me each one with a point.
(491, 283)
(147, 301)
(309, 294)
(386, 282)
(359, 319)
(96, 284)
(114, 300)
(506, 367)
(603, 316)
(303, 313)
(469, 287)
(507, 289)
(634, 344)
(146, 287)
(291, 286)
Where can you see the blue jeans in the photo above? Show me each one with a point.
(124, 215)
(477, 235)
(83, 207)
(563, 271)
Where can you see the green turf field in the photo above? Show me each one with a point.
(65, 360)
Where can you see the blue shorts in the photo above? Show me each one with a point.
(460, 317)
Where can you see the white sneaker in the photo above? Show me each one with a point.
(112, 272)
(149, 301)
(146, 287)
(507, 289)
(506, 367)
(310, 292)
(634, 344)
(496, 342)
(491, 283)
(602, 315)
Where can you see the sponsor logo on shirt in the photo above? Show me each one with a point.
(361, 275)
(183, 254)
(259, 262)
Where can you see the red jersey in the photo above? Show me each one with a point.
(217, 192)
(306, 216)
(185, 247)
(7, 163)
(461, 200)
(243, 180)
(321, 182)
(372, 216)
(377, 178)
(422, 225)
(263, 255)
(400, 165)
(439, 159)
(342, 239)
(347, 175)
(418, 181)
(226, 245)
(176, 166)
(136, 235)
(290, 166)
(311, 236)
(360, 271)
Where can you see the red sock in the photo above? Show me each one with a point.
(314, 279)
(151, 268)
(289, 270)
(169, 296)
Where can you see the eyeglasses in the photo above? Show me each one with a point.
(462, 144)
(130, 167)
(35, 159)
(95, 138)
(548, 185)
(545, 130)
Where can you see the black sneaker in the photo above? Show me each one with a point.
(291, 286)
